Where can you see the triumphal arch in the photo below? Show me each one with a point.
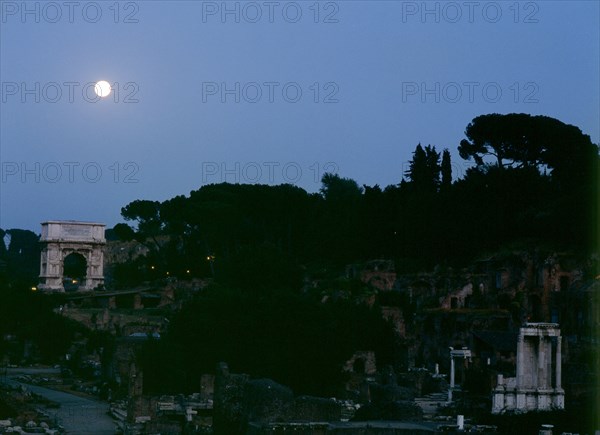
(72, 256)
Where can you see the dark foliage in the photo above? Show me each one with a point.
(541, 189)
(291, 338)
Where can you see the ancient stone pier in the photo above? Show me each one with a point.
(537, 385)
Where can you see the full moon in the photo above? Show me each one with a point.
(102, 88)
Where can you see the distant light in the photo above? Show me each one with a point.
(187, 271)
(167, 273)
(151, 267)
(34, 289)
(102, 88)
(74, 281)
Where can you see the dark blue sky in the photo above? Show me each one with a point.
(376, 78)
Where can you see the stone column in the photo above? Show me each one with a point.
(541, 363)
(498, 399)
(520, 399)
(451, 372)
(520, 360)
(451, 378)
(558, 362)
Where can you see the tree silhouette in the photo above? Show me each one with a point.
(446, 170)
(149, 224)
(424, 169)
(336, 189)
(520, 140)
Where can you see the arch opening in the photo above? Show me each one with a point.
(74, 271)
(359, 366)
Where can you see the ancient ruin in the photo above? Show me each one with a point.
(537, 385)
(463, 355)
(71, 256)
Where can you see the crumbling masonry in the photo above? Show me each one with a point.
(537, 385)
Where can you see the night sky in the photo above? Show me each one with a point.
(266, 92)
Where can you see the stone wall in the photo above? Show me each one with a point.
(240, 403)
(395, 316)
(362, 362)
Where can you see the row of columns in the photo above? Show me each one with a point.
(540, 375)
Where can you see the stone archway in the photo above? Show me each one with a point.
(74, 270)
(63, 241)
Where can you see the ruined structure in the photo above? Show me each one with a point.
(80, 243)
(464, 356)
(379, 274)
(537, 386)
(244, 405)
(458, 298)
